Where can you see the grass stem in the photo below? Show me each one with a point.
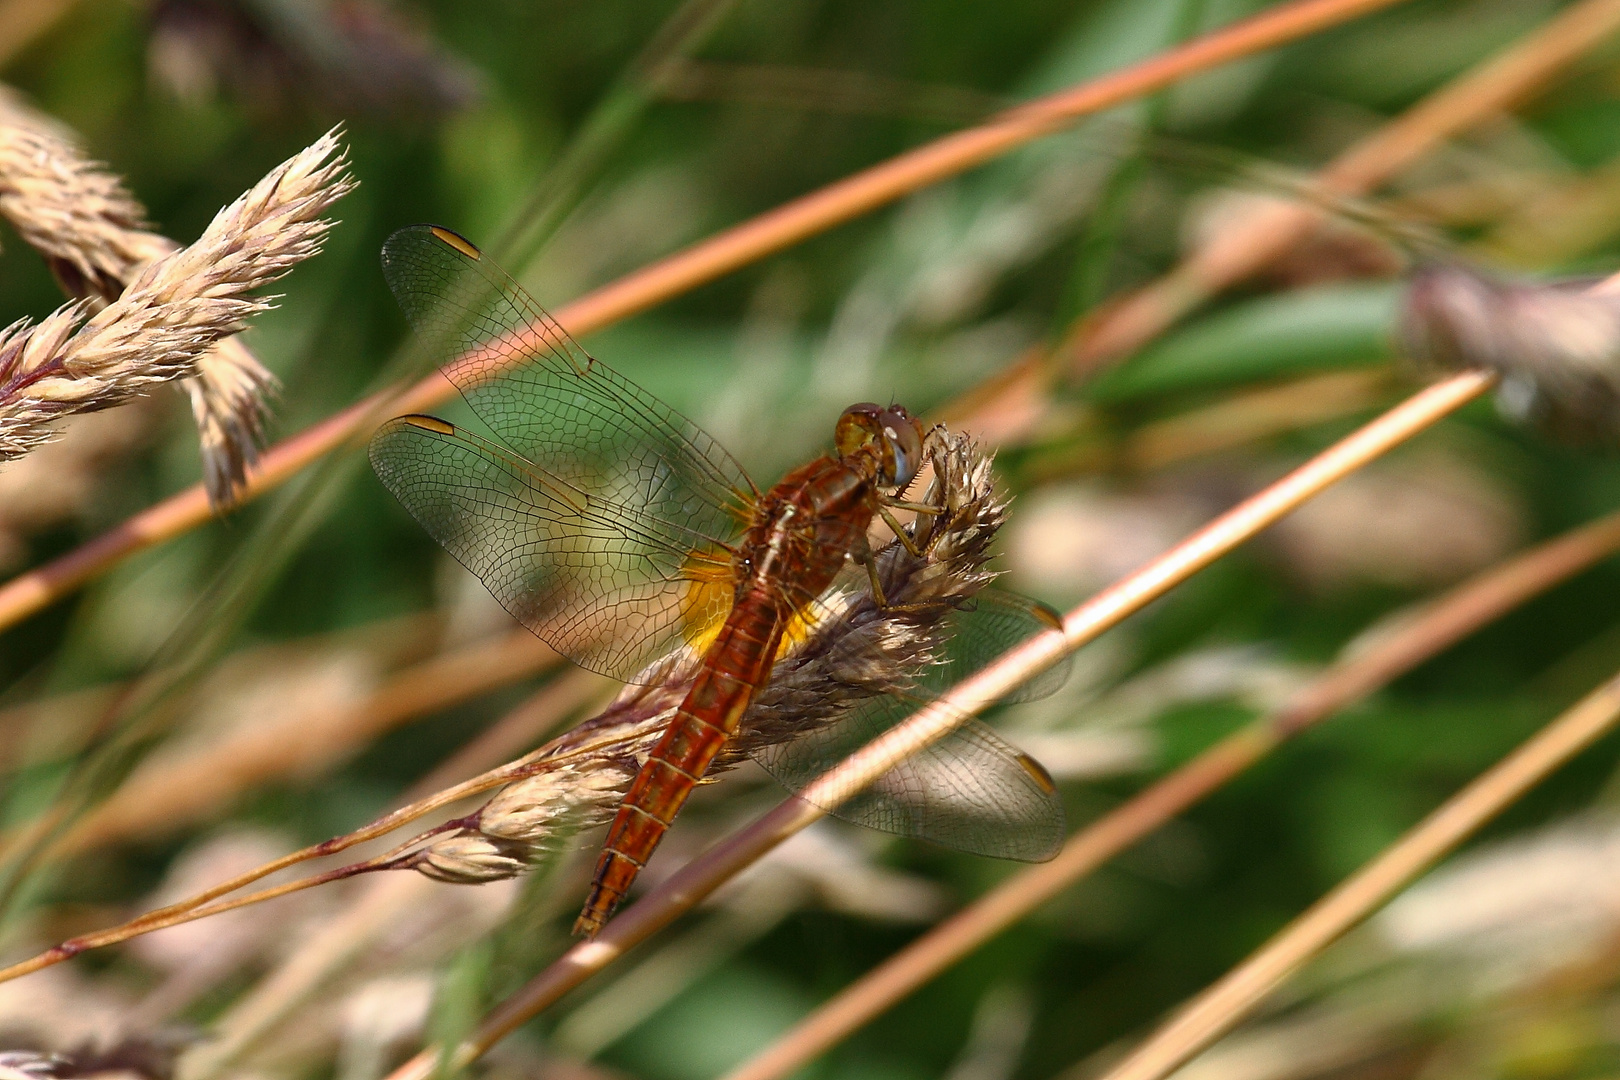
(1219, 1008)
(1249, 244)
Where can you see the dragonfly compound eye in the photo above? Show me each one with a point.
(892, 431)
(904, 436)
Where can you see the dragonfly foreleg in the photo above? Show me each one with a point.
(899, 531)
(866, 557)
(919, 507)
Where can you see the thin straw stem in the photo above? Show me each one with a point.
(177, 915)
(1436, 627)
(1218, 1009)
(703, 262)
(703, 875)
(195, 906)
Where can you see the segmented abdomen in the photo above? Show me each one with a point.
(736, 666)
(808, 524)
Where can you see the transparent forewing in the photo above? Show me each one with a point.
(603, 582)
(995, 621)
(972, 790)
(550, 402)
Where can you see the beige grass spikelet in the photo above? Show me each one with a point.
(95, 237)
(171, 315)
(467, 858)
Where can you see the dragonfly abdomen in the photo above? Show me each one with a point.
(737, 665)
(806, 527)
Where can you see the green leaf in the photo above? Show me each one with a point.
(1327, 327)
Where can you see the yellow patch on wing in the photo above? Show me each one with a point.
(798, 631)
(711, 589)
(742, 506)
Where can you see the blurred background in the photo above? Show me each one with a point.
(317, 638)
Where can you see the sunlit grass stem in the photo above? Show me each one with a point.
(1219, 1008)
(200, 905)
(1250, 244)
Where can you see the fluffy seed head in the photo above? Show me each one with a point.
(1556, 345)
(470, 859)
(157, 312)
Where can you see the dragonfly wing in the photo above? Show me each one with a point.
(605, 583)
(993, 622)
(552, 403)
(971, 790)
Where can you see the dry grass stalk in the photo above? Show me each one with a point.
(554, 700)
(1253, 416)
(1219, 1008)
(521, 728)
(1249, 245)
(1411, 641)
(66, 479)
(60, 726)
(203, 904)
(1240, 419)
(685, 888)
(94, 235)
(324, 955)
(712, 258)
(173, 311)
(335, 946)
(1008, 404)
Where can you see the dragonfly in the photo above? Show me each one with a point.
(617, 531)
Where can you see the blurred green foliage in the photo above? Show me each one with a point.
(918, 302)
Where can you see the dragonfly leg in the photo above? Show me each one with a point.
(865, 556)
(900, 533)
(927, 526)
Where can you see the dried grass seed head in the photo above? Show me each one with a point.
(1555, 345)
(578, 779)
(469, 858)
(94, 235)
(230, 402)
(174, 310)
(92, 232)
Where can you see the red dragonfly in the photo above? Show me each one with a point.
(617, 531)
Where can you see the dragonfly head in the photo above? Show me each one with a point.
(894, 435)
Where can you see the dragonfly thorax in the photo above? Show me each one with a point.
(804, 529)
